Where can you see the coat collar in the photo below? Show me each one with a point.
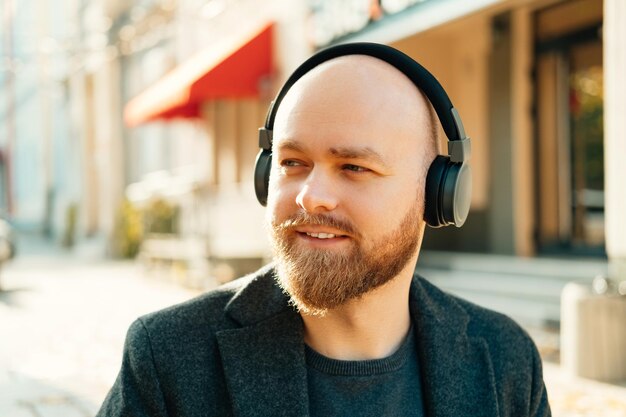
(263, 359)
(456, 369)
(264, 362)
(257, 299)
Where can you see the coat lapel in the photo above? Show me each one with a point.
(263, 360)
(457, 374)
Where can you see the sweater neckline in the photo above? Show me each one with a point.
(391, 363)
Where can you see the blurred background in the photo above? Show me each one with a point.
(128, 134)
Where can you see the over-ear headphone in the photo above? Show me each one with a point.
(449, 179)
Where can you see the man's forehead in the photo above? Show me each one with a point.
(359, 83)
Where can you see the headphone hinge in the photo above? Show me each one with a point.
(265, 138)
(459, 150)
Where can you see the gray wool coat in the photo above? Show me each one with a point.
(239, 351)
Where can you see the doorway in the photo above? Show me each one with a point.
(569, 131)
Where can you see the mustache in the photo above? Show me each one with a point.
(306, 219)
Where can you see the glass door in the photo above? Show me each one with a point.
(569, 133)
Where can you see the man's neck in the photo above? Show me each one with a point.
(371, 327)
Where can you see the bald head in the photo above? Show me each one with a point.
(359, 90)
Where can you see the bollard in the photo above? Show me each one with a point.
(5, 255)
(593, 333)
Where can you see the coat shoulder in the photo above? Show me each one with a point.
(201, 314)
(512, 356)
(171, 358)
(507, 341)
(482, 322)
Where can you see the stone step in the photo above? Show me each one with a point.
(526, 289)
(560, 269)
(526, 312)
(532, 303)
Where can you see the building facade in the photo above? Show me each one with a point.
(527, 78)
(60, 135)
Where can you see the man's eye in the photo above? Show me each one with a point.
(354, 168)
(290, 163)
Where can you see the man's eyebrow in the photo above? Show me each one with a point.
(338, 152)
(291, 145)
(357, 153)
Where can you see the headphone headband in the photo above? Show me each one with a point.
(420, 76)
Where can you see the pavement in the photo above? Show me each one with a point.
(571, 396)
(64, 315)
(63, 320)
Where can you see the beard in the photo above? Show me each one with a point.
(318, 280)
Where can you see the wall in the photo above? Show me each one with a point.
(44, 180)
(457, 54)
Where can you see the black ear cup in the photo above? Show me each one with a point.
(448, 192)
(262, 175)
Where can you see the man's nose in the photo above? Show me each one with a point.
(318, 193)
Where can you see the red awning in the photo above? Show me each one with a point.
(231, 69)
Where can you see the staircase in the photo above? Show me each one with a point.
(526, 289)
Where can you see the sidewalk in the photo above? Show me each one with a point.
(63, 320)
(577, 397)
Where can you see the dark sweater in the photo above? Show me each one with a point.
(370, 388)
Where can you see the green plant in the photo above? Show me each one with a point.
(161, 217)
(71, 218)
(128, 231)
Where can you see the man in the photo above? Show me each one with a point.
(339, 325)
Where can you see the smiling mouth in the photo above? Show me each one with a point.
(323, 235)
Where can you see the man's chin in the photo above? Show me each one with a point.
(315, 301)
(308, 310)
(311, 308)
(298, 297)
